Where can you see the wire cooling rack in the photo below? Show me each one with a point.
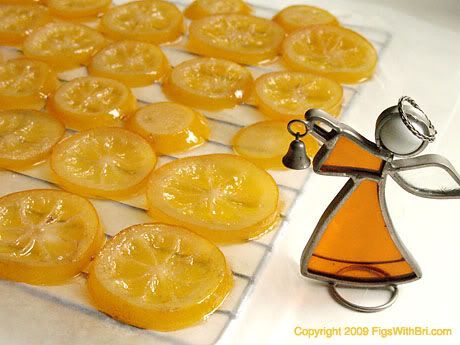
(247, 259)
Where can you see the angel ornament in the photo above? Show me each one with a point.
(354, 243)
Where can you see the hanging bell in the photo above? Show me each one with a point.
(296, 157)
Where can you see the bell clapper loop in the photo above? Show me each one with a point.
(296, 133)
(296, 157)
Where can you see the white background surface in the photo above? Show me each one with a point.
(423, 61)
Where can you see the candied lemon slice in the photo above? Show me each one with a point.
(203, 8)
(27, 137)
(265, 143)
(222, 197)
(131, 62)
(25, 84)
(71, 9)
(159, 276)
(90, 102)
(241, 38)
(332, 51)
(64, 45)
(18, 21)
(287, 95)
(170, 127)
(296, 17)
(208, 83)
(151, 21)
(103, 162)
(46, 236)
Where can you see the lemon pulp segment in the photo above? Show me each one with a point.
(46, 236)
(208, 83)
(103, 162)
(27, 137)
(224, 198)
(90, 102)
(159, 276)
(287, 95)
(265, 143)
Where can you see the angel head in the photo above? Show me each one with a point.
(404, 129)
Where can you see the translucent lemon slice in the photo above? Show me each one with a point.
(288, 95)
(103, 162)
(170, 127)
(332, 51)
(203, 8)
(72, 9)
(208, 83)
(265, 143)
(159, 277)
(64, 45)
(151, 21)
(25, 84)
(17, 21)
(296, 17)
(27, 137)
(225, 198)
(46, 236)
(90, 102)
(131, 62)
(241, 38)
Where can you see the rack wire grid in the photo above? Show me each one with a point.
(246, 259)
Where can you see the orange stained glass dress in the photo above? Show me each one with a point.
(356, 244)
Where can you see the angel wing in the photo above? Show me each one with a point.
(428, 176)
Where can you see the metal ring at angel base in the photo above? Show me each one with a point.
(295, 133)
(363, 309)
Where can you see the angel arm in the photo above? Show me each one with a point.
(399, 168)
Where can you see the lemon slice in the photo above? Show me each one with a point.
(159, 277)
(208, 83)
(25, 84)
(265, 143)
(64, 45)
(18, 21)
(103, 162)
(296, 17)
(46, 236)
(224, 198)
(27, 137)
(241, 38)
(90, 102)
(288, 95)
(170, 127)
(203, 8)
(131, 62)
(151, 21)
(332, 51)
(72, 9)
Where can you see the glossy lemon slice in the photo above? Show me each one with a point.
(46, 236)
(103, 162)
(288, 95)
(170, 127)
(265, 143)
(209, 83)
(18, 21)
(159, 277)
(151, 21)
(296, 17)
(90, 102)
(27, 137)
(203, 8)
(332, 51)
(224, 198)
(73, 9)
(25, 84)
(131, 62)
(241, 38)
(64, 45)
